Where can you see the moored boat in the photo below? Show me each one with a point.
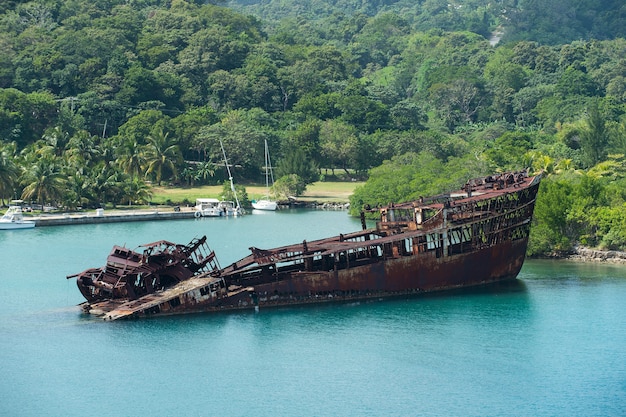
(207, 207)
(230, 208)
(475, 236)
(13, 218)
(266, 204)
(212, 207)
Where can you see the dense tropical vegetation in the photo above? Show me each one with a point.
(100, 98)
(548, 22)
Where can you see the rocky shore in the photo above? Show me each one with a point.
(583, 254)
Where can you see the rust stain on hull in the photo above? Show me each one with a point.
(475, 236)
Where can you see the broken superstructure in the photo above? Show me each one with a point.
(471, 237)
(131, 274)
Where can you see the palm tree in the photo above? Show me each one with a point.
(130, 157)
(44, 180)
(110, 185)
(204, 170)
(189, 175)
(82, 149)
(594, 139)
(79, 191)
(136, 191)
(162, 155)
(9, 171)
(57, 138)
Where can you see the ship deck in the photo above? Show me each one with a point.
(117, 309)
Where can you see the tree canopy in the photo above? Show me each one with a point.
(97, 99)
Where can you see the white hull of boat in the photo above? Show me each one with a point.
(218, 213)
(266, 205)
(24, 224)
(208, 213)
(14, 219)
(212, 207)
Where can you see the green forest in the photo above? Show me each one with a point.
(100, 99)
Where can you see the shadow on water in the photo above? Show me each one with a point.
(514, 286)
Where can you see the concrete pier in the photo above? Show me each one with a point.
(112, 216)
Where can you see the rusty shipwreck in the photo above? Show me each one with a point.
(474, 236)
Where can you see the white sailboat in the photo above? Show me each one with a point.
(212, 207)
(229, 208)
(266, 204)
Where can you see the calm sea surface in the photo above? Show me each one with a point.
(552, 343)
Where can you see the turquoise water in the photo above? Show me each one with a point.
(552, 343)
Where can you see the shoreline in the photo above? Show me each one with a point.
(159, 213)
(583, 254)
(112, 216)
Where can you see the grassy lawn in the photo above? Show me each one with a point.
(323, 192)
(329, 191)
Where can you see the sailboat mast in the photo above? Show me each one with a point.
(267, 179)
(268, 170)
(269, 162)
(230, 177)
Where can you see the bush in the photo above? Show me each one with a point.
(289, 185)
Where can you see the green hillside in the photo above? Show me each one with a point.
(548, 22)
(102, 100)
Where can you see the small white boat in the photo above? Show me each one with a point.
(229, 208)
(212, 207)
(266, 204)
(14, 219)
(207, 207)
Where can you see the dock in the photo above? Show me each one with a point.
(112, 216)
(130, 215)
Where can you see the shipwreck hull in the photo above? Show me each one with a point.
(408, 276)
(474, 237)
(394, 277)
